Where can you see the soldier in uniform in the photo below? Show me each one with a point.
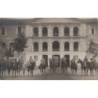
(64, 64)
(8, 66)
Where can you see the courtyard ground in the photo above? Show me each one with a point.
(52, 76)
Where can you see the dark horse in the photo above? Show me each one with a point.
(42, 68)
(64, 65)
(84, 67)
(88, 66)
(74, 66)
(2, 67)
(31, 67)
(53, 65)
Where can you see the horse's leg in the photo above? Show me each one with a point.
(15, 72)
(81, 71)
(28, 72)
(55, 69)
(86, 71)
(76, 71)
(42, 71)
(23, 72)
(90, 72)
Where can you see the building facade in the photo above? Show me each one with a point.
(48, 37)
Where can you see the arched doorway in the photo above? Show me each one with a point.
(57, 59)
(46, 59)
(68, 59)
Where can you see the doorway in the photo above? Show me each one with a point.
(57, 59)
(68, 59)
(46, 59)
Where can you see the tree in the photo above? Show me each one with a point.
(20, 43)
(92, 48)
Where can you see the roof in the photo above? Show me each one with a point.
(14, 21)
(56, 20)
(46, 20)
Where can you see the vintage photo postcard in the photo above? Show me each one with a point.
(48, 49)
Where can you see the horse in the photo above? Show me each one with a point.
(3, 67)
(30, 67)
(54, 65)
(64, 65)
(84, 67)
(42, 68)
(8, 64)
(19, 67)
(74, 67)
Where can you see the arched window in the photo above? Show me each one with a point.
(76, 46)
(3, 31)
(36, 46)
(66, 46)
(3, 46)
(35, 30)
(55, 31)
(44, 31)
(55, 46)
(66, 31)
(45, 46)
(19, 30)
(75, 31)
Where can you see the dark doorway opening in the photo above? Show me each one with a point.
(46, 59)
(56, 59)
(68, 59)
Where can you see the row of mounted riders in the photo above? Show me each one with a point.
(15, 67)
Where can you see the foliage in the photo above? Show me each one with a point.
(92, 48)
(20, 43)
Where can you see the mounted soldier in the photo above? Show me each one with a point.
(42, 66)
(64, 64)
(74, 65)
(32, 66)
(8, 66)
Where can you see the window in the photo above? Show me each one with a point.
(36, 47)
(66, 46)
(92, 31)
(45, 46)
(19, 30)
(35, 30)
(66, 31)
(55, 46)
(3, 31)
(44, 31)
(55, 31)
(75, 31)
(76, 46)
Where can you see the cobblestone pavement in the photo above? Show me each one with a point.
(50, 76)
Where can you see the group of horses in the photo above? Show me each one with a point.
(84, 66)
(14, 67)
